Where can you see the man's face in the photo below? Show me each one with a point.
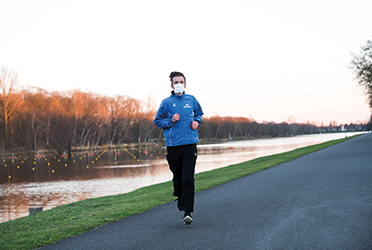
(178, 80)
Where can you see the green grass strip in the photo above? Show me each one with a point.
(64, 221)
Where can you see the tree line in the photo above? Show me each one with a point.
(218, 128)
(34, 119)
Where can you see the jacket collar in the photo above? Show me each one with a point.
(173, 94)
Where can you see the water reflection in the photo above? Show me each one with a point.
(50, 180)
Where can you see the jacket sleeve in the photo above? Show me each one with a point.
(198, 113)
(161, 119)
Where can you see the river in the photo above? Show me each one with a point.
(51, 180)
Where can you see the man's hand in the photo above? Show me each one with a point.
(175, 117)
(194, 125)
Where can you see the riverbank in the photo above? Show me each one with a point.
(67, 220)
(85, 149)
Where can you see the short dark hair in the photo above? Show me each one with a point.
(176, 73)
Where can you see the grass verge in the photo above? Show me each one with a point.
(64, 221)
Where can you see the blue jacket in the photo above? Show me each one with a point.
(180, 132)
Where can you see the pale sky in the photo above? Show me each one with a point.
(268, 60)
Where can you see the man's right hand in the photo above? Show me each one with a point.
(176, 117)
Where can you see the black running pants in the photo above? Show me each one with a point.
(182, 160)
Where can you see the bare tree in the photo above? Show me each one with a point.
(52, 104)
(145, 113)
(10, 100)
(125, 108)
(36, 100)
(362, 66)
(217, 121)
(77, 109)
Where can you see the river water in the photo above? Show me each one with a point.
(52, 180)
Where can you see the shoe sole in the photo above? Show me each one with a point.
(187, 220)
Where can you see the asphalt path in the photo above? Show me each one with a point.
(321, 200)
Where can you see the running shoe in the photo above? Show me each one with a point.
(187, 219)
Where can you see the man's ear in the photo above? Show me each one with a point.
(172, 85)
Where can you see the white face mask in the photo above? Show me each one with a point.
(178, 88)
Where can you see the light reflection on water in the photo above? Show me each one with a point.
(83, 180)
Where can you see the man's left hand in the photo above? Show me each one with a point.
(194, 125)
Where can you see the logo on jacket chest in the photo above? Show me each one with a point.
(185, 106)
